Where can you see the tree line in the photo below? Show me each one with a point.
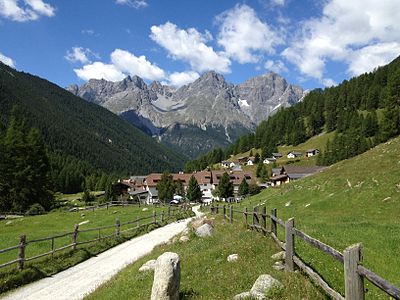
(363, 112)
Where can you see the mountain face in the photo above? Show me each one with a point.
(77, 129)
(197, 117)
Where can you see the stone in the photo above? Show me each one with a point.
(265, 283)
(166, 277)
(279, 266)
(205, 230)
(279, 256)
(148, 266)
(82, 215)
(8, 222)
(145, 209)
(249, 296)
(233, 257)
(184, 239)
(200, 222)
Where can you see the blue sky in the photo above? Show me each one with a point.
(311, 43)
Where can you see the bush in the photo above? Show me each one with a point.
(35, 209)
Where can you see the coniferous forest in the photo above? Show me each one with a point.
(363, 112)
(83, 141)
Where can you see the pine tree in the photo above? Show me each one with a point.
(257, 158)
(225, 186)
(166, 187)
(243, 188)
(194, 193)
(179, 188)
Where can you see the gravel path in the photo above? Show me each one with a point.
(80, 280)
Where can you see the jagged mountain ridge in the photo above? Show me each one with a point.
(208, 104)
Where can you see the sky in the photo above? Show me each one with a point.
(312, 43)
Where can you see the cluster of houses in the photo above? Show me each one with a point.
(286, 174)
(250, 161)
(144, 188)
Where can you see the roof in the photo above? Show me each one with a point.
(295, 172)
(277, 154)
(295, 153)
(235, 177)
(311, 150)
(279, 177)
(270, 158)
(203, 177)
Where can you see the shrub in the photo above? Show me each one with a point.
(35, 209)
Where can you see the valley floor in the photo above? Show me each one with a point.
(80, 280)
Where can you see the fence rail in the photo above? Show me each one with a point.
(351, 259)
(21, 247)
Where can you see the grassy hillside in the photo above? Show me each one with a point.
(205, 272)
(356, 200)
(82, 130)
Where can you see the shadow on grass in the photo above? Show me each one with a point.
(187, 294)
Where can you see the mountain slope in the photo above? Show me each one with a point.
(80, 129)
(355, 200)
(212, 108)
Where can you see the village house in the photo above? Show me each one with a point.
(243, 159)
(294, 154)
(250, 161)
(277, 155)
(312, 152)
(269, 160)
(235, 177)
(232, 165)
(225, 164)
(286, 174)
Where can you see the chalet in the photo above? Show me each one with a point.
(250, 161)
(232, 165)
(277, 155)
(294, 154)
(269, 160)
(225, 164)
(204, 179)
(292, 173)
(235, 177)
(312, 152)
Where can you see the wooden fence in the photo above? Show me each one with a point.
(354, 271)
(154, 219)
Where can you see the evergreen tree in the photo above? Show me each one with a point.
(179, 188)
(194, 193)
(257, 158)
(243, 188)
(87, 197)
(225, 186)
(166, 187)
(110, 194)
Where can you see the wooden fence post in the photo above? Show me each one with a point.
(137, 222)
(21, 252)
(162, 216)
(354, 283)
(289, 245)
(212, 209)
(154, 217)
(224, 212)
(273, 222)
(245, 216)
(169, 212)
(117, 227)
(216, 209)
(264, 219)
(255, 216)
(231, 214)
(75, 236)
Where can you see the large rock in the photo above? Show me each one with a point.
(233, 257)
(264, 284)
(148, 266)
(249, 296)
(205, 230)
(201, 221)
(166, 277)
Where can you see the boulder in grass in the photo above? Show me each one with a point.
(279, 266)
(166, 277)
(233, 257)
(184, 239)
(279, 256)
(205, 230)
(200, 222)
(148, 266)
(249, 296)
(265, 283)
(145, 209)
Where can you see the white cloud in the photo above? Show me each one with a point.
(190, 46)
(128, 63)
(370, 57)
(346, 30)
(29, 10)
(88, 31)
(328, 82)
(244, 36)
(278, 2)
(178, 79)
(7, 60)
(99, 70)
(133, 3)
(277, 66)
(79, 54)
(123, 63)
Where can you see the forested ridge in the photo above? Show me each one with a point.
(363, 111)
(84, 141)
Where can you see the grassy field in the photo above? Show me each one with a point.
(205, 272)
(57, 223)
(356, 200)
